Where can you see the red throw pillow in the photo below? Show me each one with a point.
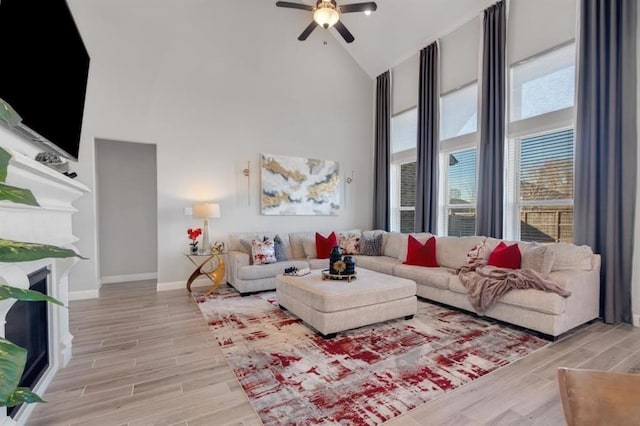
(421, 254)
(325, 244)
(504, 256)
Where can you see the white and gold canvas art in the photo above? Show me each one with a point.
(299, 186)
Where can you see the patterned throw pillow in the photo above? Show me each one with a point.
(263, 252)
(350, 244)
(280, 249)
(371, 246)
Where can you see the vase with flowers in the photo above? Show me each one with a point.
(193, 234)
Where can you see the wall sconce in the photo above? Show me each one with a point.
(349, 179)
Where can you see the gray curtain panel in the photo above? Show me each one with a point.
(428, 136)
(606, 145)
(489, 211)
(381, 213)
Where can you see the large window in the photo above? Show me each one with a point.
(461, 193)
(540, 164)
(404, 135)
(546, 187)
(458, 151)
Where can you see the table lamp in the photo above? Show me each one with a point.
(206, 211)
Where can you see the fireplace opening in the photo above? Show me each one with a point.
(27, 325)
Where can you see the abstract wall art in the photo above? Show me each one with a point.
(299, 186)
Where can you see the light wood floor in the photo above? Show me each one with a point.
(142, 357)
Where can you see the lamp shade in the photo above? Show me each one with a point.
(206, 210)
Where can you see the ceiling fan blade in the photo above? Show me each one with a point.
(312, 26)
(344, 32)
(294, 5)
(358, 7)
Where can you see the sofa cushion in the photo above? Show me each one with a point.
(504, 256)
(529, 299)
(296, 241)
(570, 257)
(539, 258)
(432, 277)
(280, 249)
(324, 245)
(349, 243)
(451, 252)
(404, 244)
(371, 245)
(263, 252)
(382, 264)
(393, 245)
(421, 254)
(236, 245)
(256, 272)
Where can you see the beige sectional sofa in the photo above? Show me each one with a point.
(575, 268)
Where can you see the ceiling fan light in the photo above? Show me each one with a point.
(326, 17)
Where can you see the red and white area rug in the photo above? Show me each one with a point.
(364, 376)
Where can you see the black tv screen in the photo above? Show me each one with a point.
(44, 69)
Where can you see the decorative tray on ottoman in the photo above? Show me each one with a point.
(345, 277)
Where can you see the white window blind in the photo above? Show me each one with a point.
(404, 130)
(461, 190)
(543, 84)
(546, 186)
(459, 112)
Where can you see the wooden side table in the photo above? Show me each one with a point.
(212, 269)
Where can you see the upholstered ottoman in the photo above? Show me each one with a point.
(332, 306)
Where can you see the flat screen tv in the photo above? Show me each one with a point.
(44, 70)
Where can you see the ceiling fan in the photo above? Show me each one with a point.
(326, 13)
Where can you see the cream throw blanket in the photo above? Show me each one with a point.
(487, 284)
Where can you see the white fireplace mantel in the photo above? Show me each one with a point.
(49, 223)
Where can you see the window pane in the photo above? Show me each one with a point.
(546, 166)
(406, 220)
(459, 112)
(547, 224)
(543, 84)
(404, 130)
(461, 222)
(408, 185)
(462, 177)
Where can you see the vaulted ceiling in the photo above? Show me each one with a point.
(397, 30)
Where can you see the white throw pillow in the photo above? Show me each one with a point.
(393, 244)
(263, 252)
(539, 258)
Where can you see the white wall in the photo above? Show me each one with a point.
(127, 210)
(213, 85)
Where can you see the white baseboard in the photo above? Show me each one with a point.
(636, 320)
(84, 294)
(177, 285)
(131, 277)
